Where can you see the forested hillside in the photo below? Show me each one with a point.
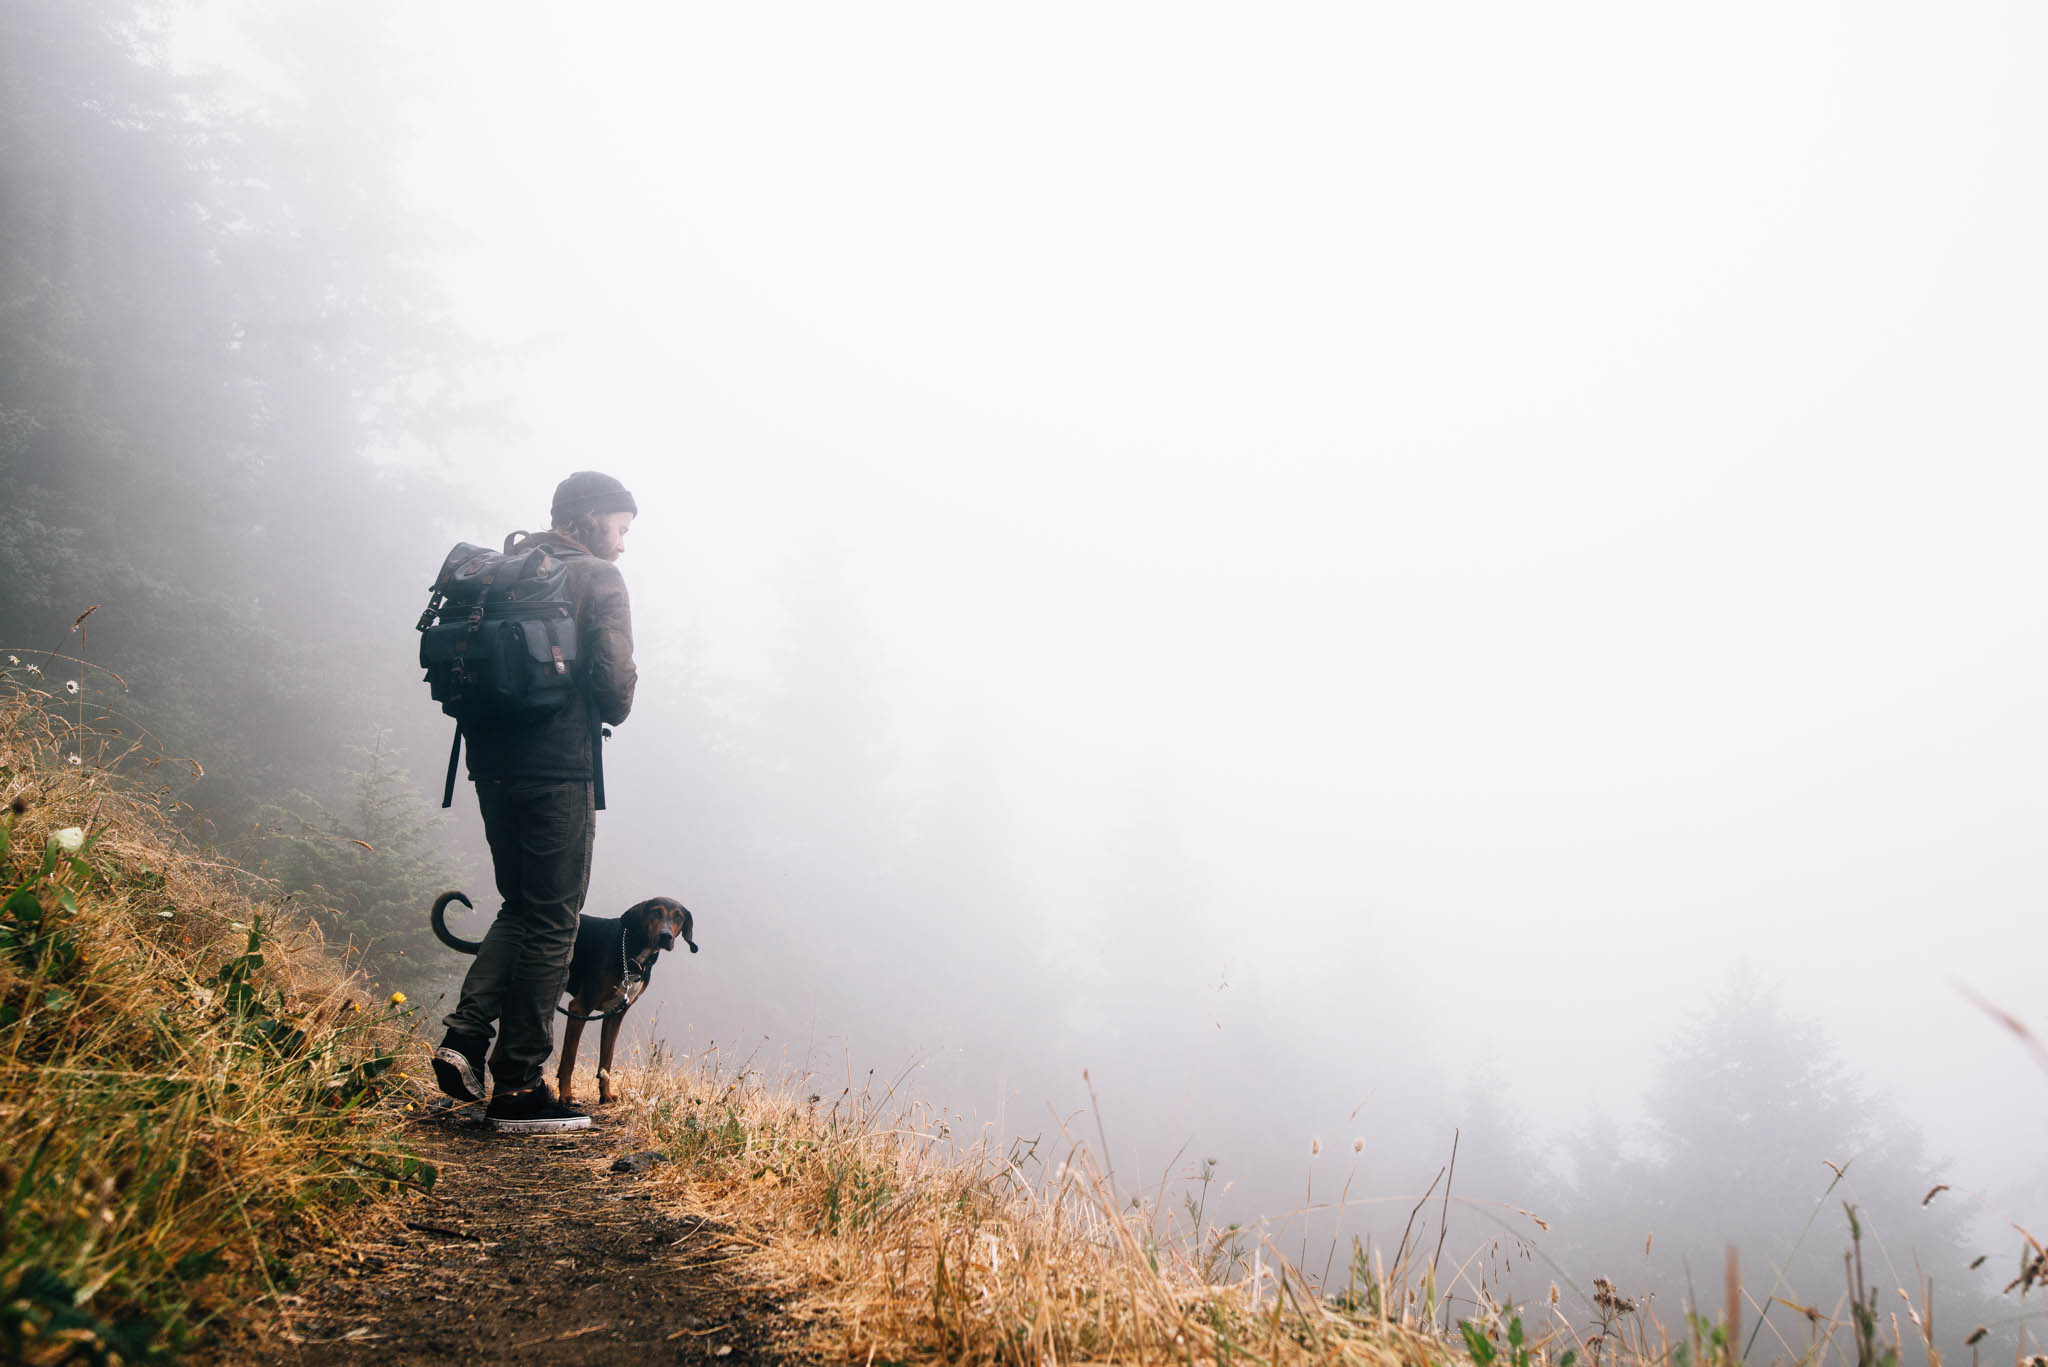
(220, 385)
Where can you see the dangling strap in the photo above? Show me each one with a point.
(454, 754)
(597, 760)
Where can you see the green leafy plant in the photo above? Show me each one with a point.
(1871, 1351)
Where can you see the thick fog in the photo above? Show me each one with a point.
(1349, 571)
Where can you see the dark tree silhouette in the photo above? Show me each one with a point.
(208, 326)
(1755, 1136)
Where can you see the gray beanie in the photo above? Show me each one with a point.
(587, 491)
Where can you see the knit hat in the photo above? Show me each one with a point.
(587, 491)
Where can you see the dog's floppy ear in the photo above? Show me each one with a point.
(655, 911)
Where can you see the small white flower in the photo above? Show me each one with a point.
(70, 840)
(36, 670)
(73, 760)
(14, 659)
(71, 687)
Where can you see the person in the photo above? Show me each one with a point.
(534, 787)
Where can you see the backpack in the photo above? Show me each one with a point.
(498, 644)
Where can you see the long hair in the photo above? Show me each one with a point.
(585, 528)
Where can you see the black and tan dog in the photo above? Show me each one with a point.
(612, 962)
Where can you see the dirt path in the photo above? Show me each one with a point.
(530, 1249)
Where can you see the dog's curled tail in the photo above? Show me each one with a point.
(439, 917)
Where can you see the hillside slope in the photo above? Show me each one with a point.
(193, 1087)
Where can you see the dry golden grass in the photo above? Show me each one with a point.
(180, 1105)
(895, 1245)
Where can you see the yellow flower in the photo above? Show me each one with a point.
(398, 999)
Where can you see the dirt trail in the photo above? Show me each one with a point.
(530, 1249)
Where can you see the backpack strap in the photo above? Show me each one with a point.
(596, 762)
(454, 753)
(596, 756)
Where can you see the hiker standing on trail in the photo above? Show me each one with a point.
(539, 783)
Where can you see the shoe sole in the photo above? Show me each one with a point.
(550, 1126)
(458, 1077)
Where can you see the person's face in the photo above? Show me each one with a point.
(611, 535)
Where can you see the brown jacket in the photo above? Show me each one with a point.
(559, 747)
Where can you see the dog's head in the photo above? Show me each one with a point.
(662, 921)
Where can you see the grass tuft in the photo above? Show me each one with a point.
(894, 1244)
(187, 1072)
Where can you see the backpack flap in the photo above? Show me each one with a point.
(550, 644)
(498, 639)
(464, 570)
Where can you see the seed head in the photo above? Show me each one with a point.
(70, 840)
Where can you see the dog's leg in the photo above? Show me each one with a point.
(607, 1036)
(572, 1033)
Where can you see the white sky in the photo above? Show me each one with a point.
(1552, 493)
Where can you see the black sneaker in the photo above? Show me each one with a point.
(533, 1111)
(459, 1066)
